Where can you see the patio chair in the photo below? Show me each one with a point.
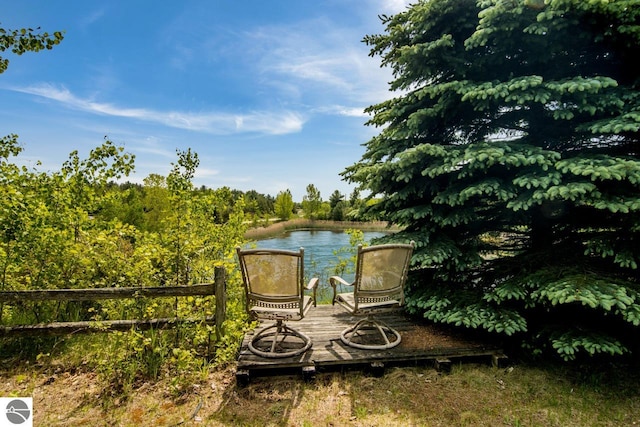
(381, 272)
(274, 289)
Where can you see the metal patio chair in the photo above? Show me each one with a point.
(381, 272)
(274, 288)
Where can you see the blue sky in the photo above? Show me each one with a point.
(270, 94)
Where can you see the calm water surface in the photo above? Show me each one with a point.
(322, 249)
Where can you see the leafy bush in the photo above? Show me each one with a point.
(63, 230)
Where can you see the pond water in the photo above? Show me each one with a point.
(322, 249)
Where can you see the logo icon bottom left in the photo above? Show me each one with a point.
(17, 412)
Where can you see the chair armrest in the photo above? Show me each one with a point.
(313, 285)
(334, 281)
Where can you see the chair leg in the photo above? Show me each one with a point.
(369, 323)
(270, 337)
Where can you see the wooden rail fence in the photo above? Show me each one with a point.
(217, 288)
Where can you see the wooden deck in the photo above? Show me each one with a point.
(421, 343)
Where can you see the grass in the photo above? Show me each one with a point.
(470, 395)
(66, 380)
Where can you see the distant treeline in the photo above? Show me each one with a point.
(306, 224)
(137, 203)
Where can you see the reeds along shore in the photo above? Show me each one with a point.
(306, 224)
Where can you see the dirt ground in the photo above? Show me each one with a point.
(74, 396)
(472, 395)
(68, 398)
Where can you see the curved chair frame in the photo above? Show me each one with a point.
(381, 272)
(274, 290)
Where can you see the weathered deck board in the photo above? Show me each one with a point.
(324, 325)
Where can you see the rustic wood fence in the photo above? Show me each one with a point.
(217, 288)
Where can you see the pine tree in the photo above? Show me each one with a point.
(510, 155)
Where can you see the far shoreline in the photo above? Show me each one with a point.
(309, 224)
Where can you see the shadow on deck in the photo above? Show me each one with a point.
(421, 343)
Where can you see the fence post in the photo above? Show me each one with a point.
(220, 283)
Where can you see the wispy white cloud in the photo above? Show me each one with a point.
(313, 61)
(318, 68)
(321, 58)
(206, 172)
(220, 123)
(91, 18)
(395, 6)
(151, 145)
(352, 112)
(341, 110)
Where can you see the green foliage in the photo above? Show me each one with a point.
(68, 229)
(345, 261)
(257, 204)
(25, 40)
(311, 202)
(465, 309)
(338, 206)
(509, 154)
(569, 344)
(284, 205)
(76, 229)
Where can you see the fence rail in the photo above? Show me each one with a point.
(106, 293)
(217, 288)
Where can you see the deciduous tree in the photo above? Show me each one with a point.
(25, 40)
(284, 205)
(311, 202)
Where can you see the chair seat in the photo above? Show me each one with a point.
(347, 300)
(278, 313)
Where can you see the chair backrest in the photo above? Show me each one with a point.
(273, 278)
(381, 272)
